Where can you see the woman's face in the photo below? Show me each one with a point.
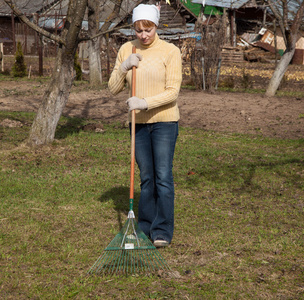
(146, 35)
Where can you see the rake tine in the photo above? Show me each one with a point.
(109, 262)
(97, 263)
(141, 264)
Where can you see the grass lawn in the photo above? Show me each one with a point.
(239, 221)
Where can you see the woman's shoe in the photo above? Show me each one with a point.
(158, 243)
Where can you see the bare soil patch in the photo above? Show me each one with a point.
(221, 111)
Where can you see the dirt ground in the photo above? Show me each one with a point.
(220, 111)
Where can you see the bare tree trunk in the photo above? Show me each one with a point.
(94, 44)
(279, 72)
(94, 62)
(290, 38)
(56, 96)
(54, 101)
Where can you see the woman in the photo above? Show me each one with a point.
(158, 80)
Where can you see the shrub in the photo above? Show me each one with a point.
(205, 57)
(19, 67)
(77, 68)
(227, 82)
(6, 72)
(246, 80)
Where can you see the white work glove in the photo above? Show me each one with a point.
(137, 103)
(132, 60)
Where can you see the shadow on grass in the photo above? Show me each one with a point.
(270, 166)
(120, 196)
(241, 178)
(69, 127)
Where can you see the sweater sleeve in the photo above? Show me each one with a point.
(117, 79)
(173, 66)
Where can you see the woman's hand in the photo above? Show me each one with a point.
(132, 61)
(137, 103)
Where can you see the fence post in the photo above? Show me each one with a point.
(218, 72)
(203, 67)
(40, 50)
(2, 57)
(13, 32)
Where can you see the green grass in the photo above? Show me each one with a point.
(279, 93)
(238, 215)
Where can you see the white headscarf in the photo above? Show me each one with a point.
(146, 12)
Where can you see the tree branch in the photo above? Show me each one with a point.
(279, 18)
(112, 16)
(298, 19)
(104, 32)
(35, 27)
(105, 28)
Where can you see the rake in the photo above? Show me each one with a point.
(131, 251)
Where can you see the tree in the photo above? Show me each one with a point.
(289, 29)
(57, 93)
(56, 96)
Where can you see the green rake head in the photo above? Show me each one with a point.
(130, 252)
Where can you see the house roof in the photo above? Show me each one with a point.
(49, 8)
(30, 7)
(170, 33)
(293, 5)
(223, 3)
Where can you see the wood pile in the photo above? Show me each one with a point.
(256, 54)
(234, 55)
(253, 54)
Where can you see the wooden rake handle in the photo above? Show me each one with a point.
(132, 137)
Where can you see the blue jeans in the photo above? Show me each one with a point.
(154, 152)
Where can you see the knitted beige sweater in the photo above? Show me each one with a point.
(158, 79)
